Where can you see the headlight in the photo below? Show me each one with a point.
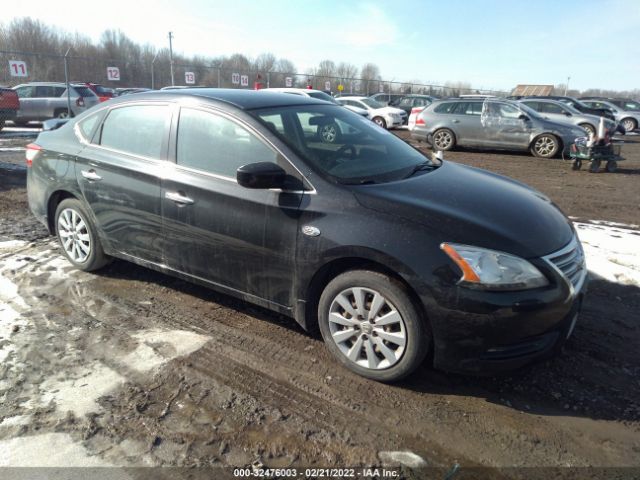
(490, 270)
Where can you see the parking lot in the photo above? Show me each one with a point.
(133, 368)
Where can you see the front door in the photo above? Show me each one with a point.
(215, 230)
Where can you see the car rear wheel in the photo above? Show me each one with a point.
(18, 123)
(329, 133)
(629, 124)
(78, 237)
(444, 139)
(371, 325)
(61, 113)
(1, 124)
(380, 122)
(545, 146)
(591, 130)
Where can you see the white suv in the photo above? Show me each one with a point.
(386, 117)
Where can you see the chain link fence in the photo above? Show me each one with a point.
(157, 72)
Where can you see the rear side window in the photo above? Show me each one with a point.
(217, 145)
(445, 107)
(138, 129)
(87, 126)
(84, 91)
(45, 91)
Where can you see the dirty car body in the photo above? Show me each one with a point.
(393, 256)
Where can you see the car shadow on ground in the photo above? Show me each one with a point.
(13, 176)
(597, 374)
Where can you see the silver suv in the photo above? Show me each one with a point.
(44, 100)
(492, 123)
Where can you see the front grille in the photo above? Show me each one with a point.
(569, 261)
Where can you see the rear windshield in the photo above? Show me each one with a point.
(84, 91)
(342, 145)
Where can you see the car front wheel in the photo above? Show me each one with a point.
(381, 122)
(371, 325)
(78, 236)
(629, 124)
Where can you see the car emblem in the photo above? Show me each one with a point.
(310, 231)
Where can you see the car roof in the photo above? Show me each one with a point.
(243, 99)
(54, 84)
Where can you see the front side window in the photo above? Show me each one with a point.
(369, 102)
(45, 91)
(348, 148)
(215, 144)
(552, 108)
(137, 129)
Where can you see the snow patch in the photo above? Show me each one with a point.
(11, 245)
(159, 346)
(407, 458)
(47, 450)
(612, 252)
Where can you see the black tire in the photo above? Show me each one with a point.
(443, 139)
(61, 113)
(19, 123)
(381, 122)
(612, 166)
(591, 130)
(545, 146)
(594, 167)
(329, 133)
(576, 164)
(394, 361)
(95, 258)
(629, 124)
(1, 124)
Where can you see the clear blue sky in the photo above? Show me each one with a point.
(489, 43)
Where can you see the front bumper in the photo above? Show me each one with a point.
(482, 332)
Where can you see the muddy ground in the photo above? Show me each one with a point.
(133, 368)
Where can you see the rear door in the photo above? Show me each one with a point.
(242, 239)
(119, 174)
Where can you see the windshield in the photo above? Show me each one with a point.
(341, 144)
(631, 105)
(370, 102)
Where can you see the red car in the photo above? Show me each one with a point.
(9, 105)
(102, 92)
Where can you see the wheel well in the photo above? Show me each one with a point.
(334, 268)
(54, 201)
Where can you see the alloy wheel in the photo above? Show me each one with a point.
(329, 133)
(74, 235)
(545, 146)
(629, 125)
(367, 328)
(442, 140)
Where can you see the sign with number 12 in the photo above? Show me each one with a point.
(113, 73)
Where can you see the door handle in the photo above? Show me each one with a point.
(178, 198)
(91, 175)
(455, 121)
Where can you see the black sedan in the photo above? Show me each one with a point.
(393, 256)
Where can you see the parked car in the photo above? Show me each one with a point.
(43, 100)
(103, 93)
(384, 116)
(9, 105)
(562, 112)
(630, 119)
(623, 103)
(492, 123)
(394, 257)
(573, 102)
(320, 95)
(408, 102)
(386, 98)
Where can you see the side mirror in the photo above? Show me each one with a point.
(524, 118)
(568, 114)
(262, 175)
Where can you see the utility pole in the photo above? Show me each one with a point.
(153, 83)
(66, 81)
(566, 87)
(171, 57)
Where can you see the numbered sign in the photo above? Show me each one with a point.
(113, 74)
(327, 85)
(381, 88)
(288, 82)
(235, 78)
(244, 80)
(189, 78)
(18, 68)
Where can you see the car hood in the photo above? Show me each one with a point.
(467, 205)
(388, 110)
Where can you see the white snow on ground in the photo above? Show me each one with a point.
(395, 458)
(612, 252)
(47, 450)
(11, 245)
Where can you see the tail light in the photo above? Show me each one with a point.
(80, 102)
(417, 111)
(31, 153)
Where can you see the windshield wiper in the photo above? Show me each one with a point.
(425, 166)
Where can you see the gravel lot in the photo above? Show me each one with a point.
(133, 368)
